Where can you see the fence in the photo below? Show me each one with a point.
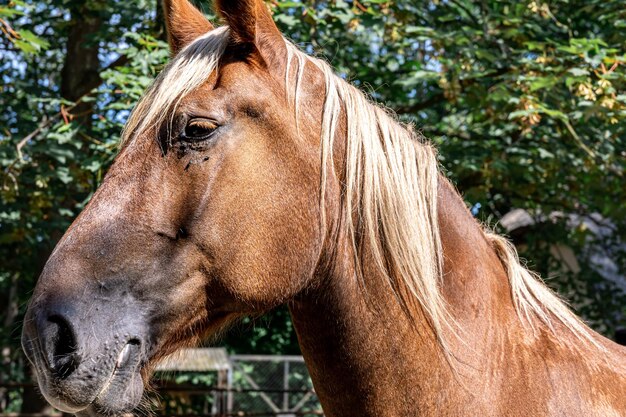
(242, 386)
(275, 385)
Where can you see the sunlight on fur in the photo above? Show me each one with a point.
(391, 185)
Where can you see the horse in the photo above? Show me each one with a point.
(251, 176)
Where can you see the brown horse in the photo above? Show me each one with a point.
(251, 176)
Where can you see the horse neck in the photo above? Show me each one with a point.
(476, 286)
(371, 361)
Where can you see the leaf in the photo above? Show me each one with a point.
(63, 174)
(578, 72)
(93, 166)
(520, 113)
(287, 20)
(535, 46)
(418, 30)
(10, 12)
(288, 4)
(543, 153)
(29, 43)
(25, 47)
(542, 82)
(60, 154)
(425, 75)
(557, 114)
(66, 212)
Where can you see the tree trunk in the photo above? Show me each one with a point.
(81, 69)
(159, 30)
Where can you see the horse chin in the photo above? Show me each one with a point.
(120, 398)
(121, 395)
(110, 388)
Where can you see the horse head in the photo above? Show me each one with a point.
(210, 212)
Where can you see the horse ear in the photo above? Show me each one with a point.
(184, 23)
(251, 25)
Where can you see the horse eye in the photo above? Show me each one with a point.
(199, 129)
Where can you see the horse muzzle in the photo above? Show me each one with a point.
(96, 372)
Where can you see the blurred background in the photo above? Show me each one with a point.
(526, 101)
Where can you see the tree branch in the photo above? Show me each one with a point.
(46, 121)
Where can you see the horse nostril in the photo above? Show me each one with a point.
(130, 350)
(134, 341)
(60, 346)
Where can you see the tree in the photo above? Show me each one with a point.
(526, 101)
(63, 94)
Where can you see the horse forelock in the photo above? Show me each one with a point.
(191, 67)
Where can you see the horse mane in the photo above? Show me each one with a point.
(531, 296)
(391, 181)
(390, 192)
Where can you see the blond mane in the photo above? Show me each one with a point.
(391, 180)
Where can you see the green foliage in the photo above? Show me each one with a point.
(23, 39)
(272, 334)
(52, 161)
(526, 101)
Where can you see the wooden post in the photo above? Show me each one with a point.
(222, 395)
(286, 386)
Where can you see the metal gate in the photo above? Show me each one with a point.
(271, 385)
